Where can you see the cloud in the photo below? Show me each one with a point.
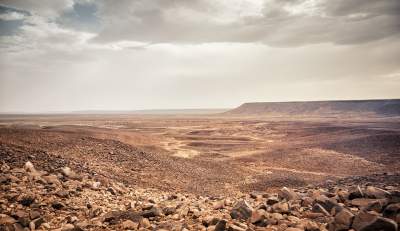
(46, 8)
(279, 23)
(84, 54)
(11, 16)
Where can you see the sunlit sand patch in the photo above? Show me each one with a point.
(177, 147)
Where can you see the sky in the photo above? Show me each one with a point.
(69, 55)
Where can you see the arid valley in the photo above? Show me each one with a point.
(202, 157)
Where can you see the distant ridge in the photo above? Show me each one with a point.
(382, 107)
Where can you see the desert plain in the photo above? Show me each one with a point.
(135, 163)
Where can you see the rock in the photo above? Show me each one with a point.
(112, 190)
(144, 223)
(317, 208)
(169, 210)
(257, 216)
(327, 203)
(114, 217)
(392, 211)
(95, 211)
(281, 207)
(307, 201)
(376, 206)
(35, 224)
(29, 167)
(128, 224)
(95, 185)
(365, 202)
(220, 226)
(233, 227)
(367, 221)
(288, 194)
(27, 200)
(376, 193)
(67, 172)
(342, 221)
(52, 179)
(57, 205)
(68, 227)
(356, 193)
(310, 225)
(153, 212)
(6, 220)
(20, 213)
(62, 193)
(219, 204)
(241, 210)
(272, 200)
(18, 227)
(34, 214)
(293, 229)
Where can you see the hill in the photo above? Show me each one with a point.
(386, 107)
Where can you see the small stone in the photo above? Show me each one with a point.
(29, 167)
(233, 227)
(57, 205)
(66, 171)
(68, 227)
(34, 214)
(317, 208)
(35, 224)
(220, 226)
(288, 194)
(272, 200)
(169, 210)
(27, 200)
(281, 207)
(257, 215)
(219, 205)
(241, 210)
(144, 223)
(128, 224)
(52, 179)
(356, 193)
(153, 212)
(62, 193)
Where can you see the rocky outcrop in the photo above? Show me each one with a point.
(31, 199)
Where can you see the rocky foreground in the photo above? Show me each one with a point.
(31, 199)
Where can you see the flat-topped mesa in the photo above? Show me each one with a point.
(384, 107)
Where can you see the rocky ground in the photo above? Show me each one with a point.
(63, 199)
(128, 173)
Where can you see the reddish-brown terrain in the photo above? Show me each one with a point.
(211, 156)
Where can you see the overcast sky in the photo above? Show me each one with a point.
(63, 55)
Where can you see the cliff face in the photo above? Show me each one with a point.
(390, 107)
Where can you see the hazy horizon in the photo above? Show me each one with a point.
(84, 55)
